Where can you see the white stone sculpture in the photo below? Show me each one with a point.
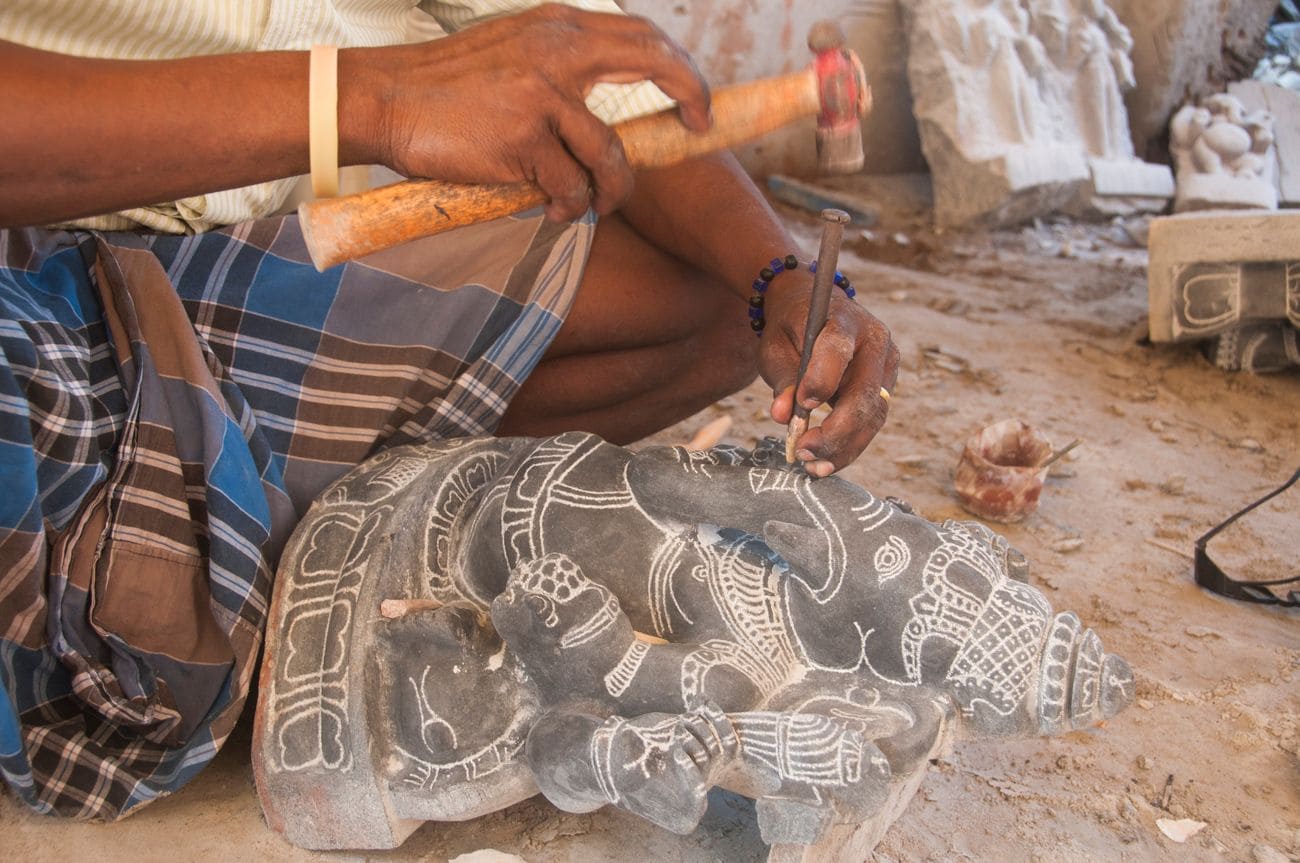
(991, 39)
(1020, 108)
(1101, 70)
(1223, 155)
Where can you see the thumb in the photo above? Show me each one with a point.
(782, 409)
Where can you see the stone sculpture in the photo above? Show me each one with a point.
(1283, 105)
(1223, 156)
(456, 626)
(1003, 62)
(1021, 112)
(1100, 66)
(1231, 280)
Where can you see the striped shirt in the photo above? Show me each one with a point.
(164, 29)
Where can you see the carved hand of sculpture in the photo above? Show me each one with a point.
(659, 766)
(594, 746)
(1032, 55)
(1123, 65)
(562, 626)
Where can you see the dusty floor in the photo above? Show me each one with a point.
(1043, 325)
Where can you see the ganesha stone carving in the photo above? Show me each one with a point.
(457, 626)
(1224, 156)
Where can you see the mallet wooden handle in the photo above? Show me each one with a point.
(341, 229)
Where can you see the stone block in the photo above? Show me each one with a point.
(1123, 187)
(1217, 192)
(1130, 178)
(1007, 189)
(1217, 271)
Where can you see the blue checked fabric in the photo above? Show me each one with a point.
(169, 408)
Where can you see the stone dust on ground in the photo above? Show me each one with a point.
(1042, 324)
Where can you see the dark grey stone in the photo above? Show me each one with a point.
(460, 625)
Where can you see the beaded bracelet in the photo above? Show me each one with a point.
(765, 276)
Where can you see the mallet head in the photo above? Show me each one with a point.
(845, 99)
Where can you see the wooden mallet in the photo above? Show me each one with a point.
(833, 87)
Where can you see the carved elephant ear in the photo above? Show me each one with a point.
(1013, 561)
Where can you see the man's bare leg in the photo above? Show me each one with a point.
(649, 341)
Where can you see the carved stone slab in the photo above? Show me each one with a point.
(1231, 279)
(1217, 271)
(1020, 109)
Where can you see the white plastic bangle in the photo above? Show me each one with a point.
(323, 120)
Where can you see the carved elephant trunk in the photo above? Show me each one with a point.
(1076, 686)
(1079, 685)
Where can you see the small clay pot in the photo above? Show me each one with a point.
(998, 477)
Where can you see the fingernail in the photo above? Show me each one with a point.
(806, 455)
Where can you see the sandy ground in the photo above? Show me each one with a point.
(1043, 325)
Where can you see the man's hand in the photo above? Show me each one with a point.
(500, 101)
(504, 101)
(709, 213)
(854, 357)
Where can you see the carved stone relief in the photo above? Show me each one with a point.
(1231, 279)
(460, 625)
(1021, 112)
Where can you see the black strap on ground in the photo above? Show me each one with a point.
(1211, 577)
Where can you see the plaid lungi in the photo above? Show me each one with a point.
(169, 407)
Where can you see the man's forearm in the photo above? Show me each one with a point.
(499, 102)
(87, 136)
(708, 212)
